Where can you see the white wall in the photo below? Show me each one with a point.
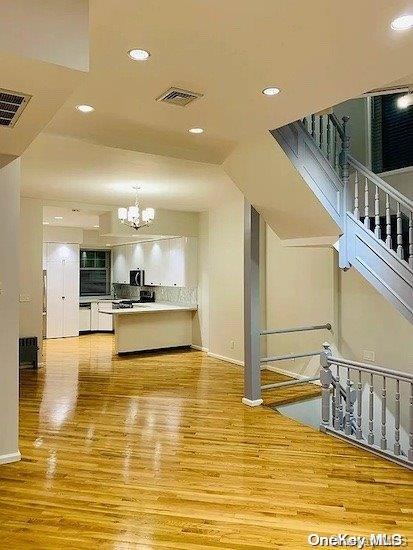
(200, 324)
(9, 310)
(31, 270)
(226, 261)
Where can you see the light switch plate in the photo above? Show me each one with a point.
(24, 298)
(369, 356)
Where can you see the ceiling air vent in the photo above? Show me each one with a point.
(176, 96)
(12, 104)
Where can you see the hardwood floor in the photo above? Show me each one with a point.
(157, 451)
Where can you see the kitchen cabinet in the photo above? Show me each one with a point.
(157, 263)
(137, 256)
(121, 263)
(62, 290)
(90, 318)
(84, 318)
(105, 321)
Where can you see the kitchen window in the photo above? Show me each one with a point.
(94, 272)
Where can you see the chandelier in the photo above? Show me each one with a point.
(134, 217)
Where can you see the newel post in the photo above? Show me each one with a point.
(345, 176)
(326, 378)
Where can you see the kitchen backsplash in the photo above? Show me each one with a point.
(185, 296)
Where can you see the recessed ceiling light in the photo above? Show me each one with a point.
(196, 130)
(272, 90)
(139, 55)
(58, 217)
(85, 108)
(46, 223)
(402, 23)
(108, 244)
(96, 226)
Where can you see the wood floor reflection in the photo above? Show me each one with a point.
(157, 451)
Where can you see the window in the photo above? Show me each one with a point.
(94, 272)
(391, 134)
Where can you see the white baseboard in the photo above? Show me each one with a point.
(226, 359)
(199, 348)
(12, 457)
(295, 375)
(251, 403)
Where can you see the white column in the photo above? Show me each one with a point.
(9, 310)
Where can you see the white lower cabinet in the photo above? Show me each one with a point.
(90, 319)
(105, 321)
(84, 319)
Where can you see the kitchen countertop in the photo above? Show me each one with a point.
(87, 299)
(146, 308)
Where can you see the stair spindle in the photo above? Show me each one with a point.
(321, 136)
(356, 197)
(335, 149)
(359, 404)
(370, 438)
(313, 126)
(383, 440)
(410, 451)
(388, 222)
(305, 122)
(328, 137)
(400, 251)
(348, 418)
(377, 229)
(366, 204)
(397, 421)
(338, 414)
(411, 240)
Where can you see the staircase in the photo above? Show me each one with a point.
(375, 219)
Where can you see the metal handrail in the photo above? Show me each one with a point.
(295, 329)
(376, 180)
(370, 368)
(289, 356)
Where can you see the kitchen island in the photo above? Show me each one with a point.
(150, 326)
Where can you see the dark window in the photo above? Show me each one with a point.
(391, 134)
(94, 272)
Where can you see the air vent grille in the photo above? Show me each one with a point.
(12, 105)
(179, 97)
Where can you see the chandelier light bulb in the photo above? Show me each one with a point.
(133, 216)
(122, 214)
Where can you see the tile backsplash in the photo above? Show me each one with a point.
(184, 296)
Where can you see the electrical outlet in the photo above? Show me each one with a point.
(232, 344)
(369, 356)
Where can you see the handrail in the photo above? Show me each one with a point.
(295, 329)
(376, 369)
(289, 356)
(377, 180)
(337, 125)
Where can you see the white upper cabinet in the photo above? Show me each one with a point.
(167, 262)
(56, 252)
(121, 263)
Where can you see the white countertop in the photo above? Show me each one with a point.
(87, 299)
(145, 308)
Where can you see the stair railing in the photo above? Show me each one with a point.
(374, 201)
(364, 436)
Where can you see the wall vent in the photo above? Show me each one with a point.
(177, 96)
(12, 104)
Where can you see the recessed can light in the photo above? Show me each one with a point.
(139, 55)
(85, 108)
(402, 23)
(58, 217)
(96, 226)
(271, 90)
(196, 130)
(46, 223)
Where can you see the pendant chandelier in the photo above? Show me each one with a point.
(133, 216)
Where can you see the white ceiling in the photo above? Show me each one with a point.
(71, 217)
(319, 53)
(64, 169)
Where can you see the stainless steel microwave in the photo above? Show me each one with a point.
(137, 277)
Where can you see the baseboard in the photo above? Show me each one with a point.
(199, 348)
(226, 359)
(252, 403)
(295, 375)
(12, 457)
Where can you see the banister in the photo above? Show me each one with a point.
(289, 356)
(337, 125)
(326, 326)
(376, 369)
(377, 180)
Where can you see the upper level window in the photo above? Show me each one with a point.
(391, 134)
(94, 272)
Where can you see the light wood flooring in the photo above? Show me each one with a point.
(157, 451)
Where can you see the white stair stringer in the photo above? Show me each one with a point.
(391, 276)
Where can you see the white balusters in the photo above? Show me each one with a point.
(411, 240)
(359, 405)
(321, 132)
(356, 196)
(328, 137)
(400, 251)
(366, 204)
(383, 440)
(313, 126)
(397, 421)
(348, 417)
(388, 223)
(326, 378)
(377, 229)
(370, 438)
(339, 408)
